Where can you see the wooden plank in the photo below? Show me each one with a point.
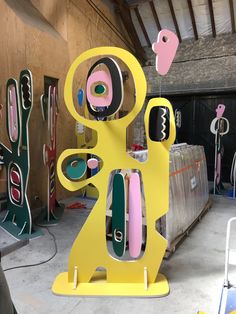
(154, 12)
(231, 7)
(191, 12)
(213, 26)
(134, 3)
(55, 14)
(174, 20)
(136, 10)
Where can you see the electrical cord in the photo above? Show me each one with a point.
(39, 263)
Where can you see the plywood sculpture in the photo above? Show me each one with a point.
(19, 103)
(49, 112)
(165, 49)
(219, 127)
(138, 276)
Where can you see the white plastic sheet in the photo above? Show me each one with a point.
(188, 193)
(188, 190)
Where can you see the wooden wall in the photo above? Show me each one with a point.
(45, 37)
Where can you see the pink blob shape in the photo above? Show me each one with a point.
(92, 163)
(12, 114)
(218, 169)
(103, 101)
(15, 194)
(135, 215)
(15, 177)
(220, 110)
(165, 50)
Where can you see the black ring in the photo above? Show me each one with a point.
(117, 88)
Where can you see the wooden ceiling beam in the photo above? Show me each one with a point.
(134, 3)
(213, 26)
(154, 13)
(231, 7)
(136, 10)
(191, 12)
(126, 18)
(174, 19)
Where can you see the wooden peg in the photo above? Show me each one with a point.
(145, 278)
(75, 277)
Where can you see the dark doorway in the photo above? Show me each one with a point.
(49, 81)
(197, 114)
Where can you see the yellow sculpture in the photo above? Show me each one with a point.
(135, 277)
(90, 191)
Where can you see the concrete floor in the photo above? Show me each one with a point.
(195, 271)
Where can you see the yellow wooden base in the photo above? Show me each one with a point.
(99, 287)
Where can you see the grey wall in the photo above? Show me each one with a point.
(208, 64)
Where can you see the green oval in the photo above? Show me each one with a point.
(76, 168)
(100, 89)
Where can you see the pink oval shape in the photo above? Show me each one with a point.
(135, 216)
(12, 113)
(103, 101)
(220, 110)
(218, 169)
(92, 163)
(15, 194)
(15, 177)
(165, 49)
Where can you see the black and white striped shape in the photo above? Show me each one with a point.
(159, 124)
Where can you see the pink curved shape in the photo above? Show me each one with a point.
(92, 163)
(165, 49)
(103, 101)
(15, 177)
(12, 113)
(135, 215)
(218, 169)
(15, 194)
(220, 110)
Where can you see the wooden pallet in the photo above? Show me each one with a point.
(175, 243)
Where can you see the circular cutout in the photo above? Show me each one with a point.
(76, 168)
(137, 76)
(99, 89)
(118, 235)
(165, 39)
